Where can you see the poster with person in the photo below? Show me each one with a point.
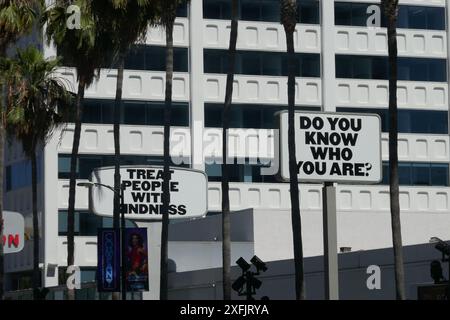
(136, 259)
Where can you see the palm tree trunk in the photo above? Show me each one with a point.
(72, 184)
(289, 20)
(393, 154)
(294, 190)
(226, 223)
(166, 174)
(117, 110)
(2, 147)
(36, 239)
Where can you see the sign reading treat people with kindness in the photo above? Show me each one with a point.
(334, 147)
(143, 190)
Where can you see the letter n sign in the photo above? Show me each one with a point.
(108, 264)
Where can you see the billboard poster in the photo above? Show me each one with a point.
(108, 266)
(333, 147)
(143, 192)
(136, 259)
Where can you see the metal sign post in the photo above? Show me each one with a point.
(333, 148)
(331, 268)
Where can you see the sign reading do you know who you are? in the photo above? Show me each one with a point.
(143, 190)
(334, 147)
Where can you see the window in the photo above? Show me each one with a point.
(182, 10)
(18, 174)
(144, 57)
(262, 63)
(372, 67)
(261, 10)
(419, 174)
(135, 112)
(87, 163)
(409, 121)
(87, 223)
(238, 172)
(246, 115)
(409, 17)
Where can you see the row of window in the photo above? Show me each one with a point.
(262, 63)
(261, 10)
(247, 116)
(377, 67)
(409, 17)
(145, 57)
(411, 173)
(259, 63)
(87, 163)
(135, 112)
(346, 13)
(419, 174)
(409, 120)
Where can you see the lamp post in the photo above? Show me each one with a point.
(89, 184)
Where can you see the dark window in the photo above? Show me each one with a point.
(87, 223)
(87, 163)
(373, 67)
(217, 9)
(18, 174)
(144, 57)
(182, 10)
(135, 112)
(419, 174)
(262, 63)
(239, 172)
(308, 11)
(409, 17)
(247, 115)
(409, 121)
(439, 175)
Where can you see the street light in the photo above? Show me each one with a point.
(90, 184)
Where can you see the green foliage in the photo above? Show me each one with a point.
(289, 14)
(16, 18)
(33, 96)
(123, 22)
(86, 48)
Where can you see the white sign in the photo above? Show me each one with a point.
(143, 192)
(334, 147)
(13, 232)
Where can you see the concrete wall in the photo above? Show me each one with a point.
(278, 281)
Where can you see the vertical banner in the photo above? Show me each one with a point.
(108, 266)
(136, 259)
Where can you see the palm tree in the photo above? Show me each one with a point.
(391, 13)
(121, 22)
(167, 11)
(31, 117)
(16, 19)
(289, 21)
(85, 50)
(226, 219)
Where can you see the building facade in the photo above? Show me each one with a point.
(342, 66)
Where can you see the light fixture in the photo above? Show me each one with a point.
(259, 264)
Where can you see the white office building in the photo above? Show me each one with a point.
(342, 67)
